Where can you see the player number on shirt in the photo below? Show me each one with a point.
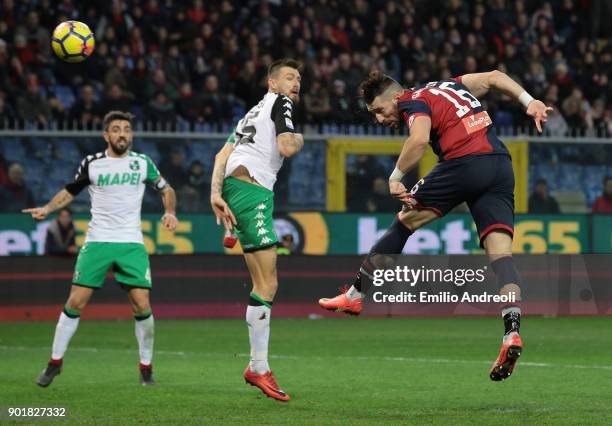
(449, 91)
(246, 126)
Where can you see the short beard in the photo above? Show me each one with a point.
(119, 151)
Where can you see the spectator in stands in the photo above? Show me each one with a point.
(171, 168)
(86, 111)
(541, 43)
(346, 72)
(61, 235)
(603, 204)
(16, 195)
(160, 113)
(193, 192)
(4, 178)
(540, 201)
(317, 103)
(189, 104)
(158, 82)
(116, 100)
(575, 108)
(341, 104)
(31, 106)
(7, 114)
(215, 105)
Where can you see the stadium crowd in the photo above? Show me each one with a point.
(200, 65)
(205, 62)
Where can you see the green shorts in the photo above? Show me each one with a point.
(130, 263)
(253, 206)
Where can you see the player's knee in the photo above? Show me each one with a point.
(141, 306)
(76, 303)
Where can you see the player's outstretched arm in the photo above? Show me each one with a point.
(61, 199)
(479, 84)
(218, 204)
(169, 200)
(412, 152)
(289, 143)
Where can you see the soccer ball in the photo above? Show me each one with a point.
(72, 41)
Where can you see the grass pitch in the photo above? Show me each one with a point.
(337, 371)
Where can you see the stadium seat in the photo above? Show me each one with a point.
(65, 95)
(148, 147)
(571, 201)
(570, 176)
(13, 149)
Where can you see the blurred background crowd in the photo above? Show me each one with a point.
(189, 63)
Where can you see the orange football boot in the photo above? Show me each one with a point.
(342, 303)
(511, 350)
(266, 382)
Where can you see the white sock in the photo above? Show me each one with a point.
(145, 335)
(509, 309)
(352, 293)
(258, 321)
(64, 330)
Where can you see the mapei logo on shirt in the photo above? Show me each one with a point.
(477, 122)
(135, 165)
(110, 179)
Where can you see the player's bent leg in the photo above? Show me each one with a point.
(380, 257)
(144, 329)
(498, 246)
(64, 330)
(262, 267)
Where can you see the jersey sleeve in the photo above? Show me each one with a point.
(413, 108)
(154, 178)
(282, 115)
(233, 137)
(81, 179)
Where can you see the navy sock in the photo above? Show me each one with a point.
(391, 243)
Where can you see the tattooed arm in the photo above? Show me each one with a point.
(61, 199)
(219, 206)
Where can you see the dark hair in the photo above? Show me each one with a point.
(64, 209)
(541, 181)
(275, 66)
(375, 84)
(116, 115)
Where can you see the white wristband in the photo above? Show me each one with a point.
(397, 175)
(524, 98)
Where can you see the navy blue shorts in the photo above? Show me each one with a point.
(484, 182)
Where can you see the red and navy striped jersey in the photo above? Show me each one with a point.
(460, 126)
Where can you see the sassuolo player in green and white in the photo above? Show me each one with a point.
(116, 180)
(242, 198)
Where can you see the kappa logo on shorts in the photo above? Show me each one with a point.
(148, 275)
(261, 206)
(260, 215)
(262, 231)
(265, 240)
(76, 275)
(259, 224)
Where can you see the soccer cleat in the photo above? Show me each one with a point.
(342, 303)
(48, 374)
(511, 349)
(266, 382)
(146, 375)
